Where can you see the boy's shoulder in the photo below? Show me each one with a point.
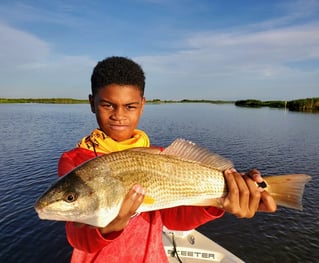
(79, 152)
(72, 158)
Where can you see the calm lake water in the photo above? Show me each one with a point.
(274, 141)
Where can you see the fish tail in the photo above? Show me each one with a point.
(287, 190)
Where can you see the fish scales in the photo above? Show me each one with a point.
(169, 180)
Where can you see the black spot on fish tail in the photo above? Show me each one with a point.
(262, 184)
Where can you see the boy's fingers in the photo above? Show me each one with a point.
(243, 191)
(267, 203)
(255, 175)
(254, 197)
(243, 197)
(231, 201)
(137, 198)
(132, 201)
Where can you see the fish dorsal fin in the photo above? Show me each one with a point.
(190, 151)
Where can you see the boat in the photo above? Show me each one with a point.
(193, 247)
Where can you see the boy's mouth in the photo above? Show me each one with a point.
(118, 127)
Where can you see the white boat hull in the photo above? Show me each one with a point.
(193, 247)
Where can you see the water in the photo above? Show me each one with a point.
(274, 141)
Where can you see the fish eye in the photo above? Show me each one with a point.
(70, 197)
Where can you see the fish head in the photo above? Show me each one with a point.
(72, 198)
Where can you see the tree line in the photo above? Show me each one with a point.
(305, 105)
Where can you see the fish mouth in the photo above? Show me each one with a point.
(45, 215)
(49, 214)
(47, 210)
(39, 205)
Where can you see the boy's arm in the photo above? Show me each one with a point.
(189, 217)
(87, 238)
(71, 159)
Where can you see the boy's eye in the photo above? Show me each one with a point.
(107, 105)
(131, 107)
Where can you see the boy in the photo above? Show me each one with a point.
(117, 100)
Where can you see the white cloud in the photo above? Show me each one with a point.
(245, 60)
(253, 61)
(275, 46)
(29, 65)
(18, 47)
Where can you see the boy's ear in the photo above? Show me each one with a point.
(91, 100)
(143, 103)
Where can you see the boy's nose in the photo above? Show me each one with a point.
(118, 113)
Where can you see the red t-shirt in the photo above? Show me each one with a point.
(141, 240)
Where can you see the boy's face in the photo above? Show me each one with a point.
(118, 109)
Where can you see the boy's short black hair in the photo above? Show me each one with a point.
(117, 70)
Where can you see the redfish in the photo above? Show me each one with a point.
(183, 174)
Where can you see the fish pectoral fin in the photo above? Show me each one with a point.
(148, 200)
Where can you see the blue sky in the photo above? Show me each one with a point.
(196, 49)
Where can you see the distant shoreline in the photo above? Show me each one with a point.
(304, 105)
(44, 100)
(85, 101)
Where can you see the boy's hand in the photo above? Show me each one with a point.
(245, 198)
(131, 203)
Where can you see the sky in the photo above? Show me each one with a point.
(189, 49)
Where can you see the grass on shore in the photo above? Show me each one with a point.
(305, 105)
